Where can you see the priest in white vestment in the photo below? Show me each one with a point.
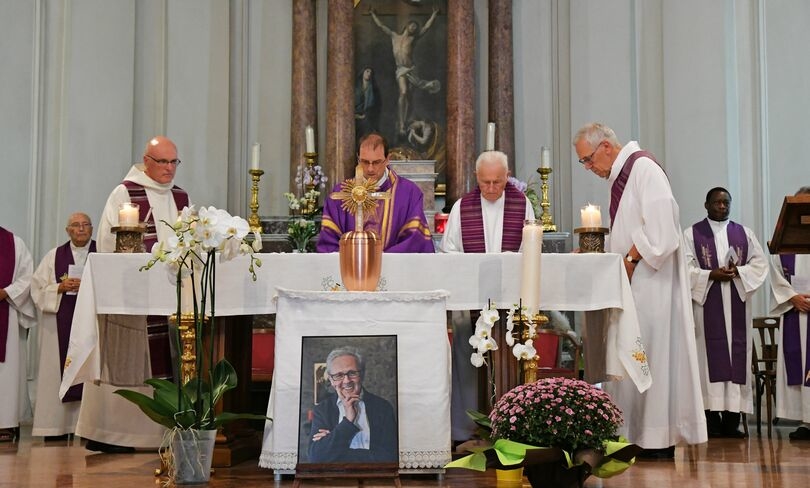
(487, 219)
(53, 288)
(17, 314)
(726, 266)
(790, 286)
(645, 229)
(112, 423)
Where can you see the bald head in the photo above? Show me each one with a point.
(160, 159)
(79, 228)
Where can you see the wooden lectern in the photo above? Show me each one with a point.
(792, 232)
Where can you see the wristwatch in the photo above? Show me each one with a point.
(630, 259)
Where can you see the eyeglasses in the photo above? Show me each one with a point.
(353, 375)
(589, 159)
(373, 164)
(165, 162)
(78, 225)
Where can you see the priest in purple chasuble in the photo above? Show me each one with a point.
(487, 219)
(54, 286)
(111, 423)
(726, 266)
(645, 230)
(400, 220)
(790, 296)
(17, 315)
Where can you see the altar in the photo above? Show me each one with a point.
(594, 283)
(577, 282)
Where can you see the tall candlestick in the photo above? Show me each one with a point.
(310, 136)
(490, 136)
(532, 248)
(128, 214)
(591, 216)
(254, 155)
(545, 157)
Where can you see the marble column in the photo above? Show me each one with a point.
(501, 89)
(304, 105)
(340, 99)
(460, 96)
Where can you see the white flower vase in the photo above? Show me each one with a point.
(192, 452)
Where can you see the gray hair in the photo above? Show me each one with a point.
(805, 190)
(70, 217)
(594, 133)
(492, 157)
(345, 351)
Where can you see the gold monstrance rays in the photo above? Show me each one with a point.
(358, 197)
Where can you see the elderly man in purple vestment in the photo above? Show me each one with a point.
(726, 267)
(111, 423)
(790, 288)
(17, 314)
(400, 220)
(645, 229)
(53, 289)
(487, 219)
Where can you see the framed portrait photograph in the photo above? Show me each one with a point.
(348, 405)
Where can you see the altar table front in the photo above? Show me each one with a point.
(112, 284)
(419, 322)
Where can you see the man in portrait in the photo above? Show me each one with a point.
(352, 424)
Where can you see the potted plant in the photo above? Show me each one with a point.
(560, 430)
(188, 410)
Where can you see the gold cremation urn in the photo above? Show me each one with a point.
(360, 260)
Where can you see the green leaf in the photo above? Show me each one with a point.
(155, 409)
(225, 417)
(224, 379)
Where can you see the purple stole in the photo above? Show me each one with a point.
(7, 261)
(472, 220)
(137, 194)
(791, 337)
(721, 366)
(157, 328)
(617, 189)
(64, 316)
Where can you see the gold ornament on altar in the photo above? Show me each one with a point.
(360, 250)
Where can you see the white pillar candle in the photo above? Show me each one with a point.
(254, 155)
(591, 216)
(128, 214)
(490, 136)
(310, 137)
(532, 249)
(545, 157)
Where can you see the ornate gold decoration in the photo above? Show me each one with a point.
(253, 220)
(358, 196)
(188, 345)
(545, 218)
(129, 239)
(528, 333)
(312, 203)
(591, 239)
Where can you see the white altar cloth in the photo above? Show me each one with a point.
(112, 284)
(419, 321)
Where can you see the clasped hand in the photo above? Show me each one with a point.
(69, 285)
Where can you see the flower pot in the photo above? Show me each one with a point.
(509, 477)
(554, 474)
(192, 451)
(360, 260)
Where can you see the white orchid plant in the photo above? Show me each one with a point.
(199, 238)
(483, 342)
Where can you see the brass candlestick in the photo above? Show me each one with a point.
(188, 345)
(528, 333)
(129, 238)
(253, 220)
(592, 239)
(312, 202)
(545, 218)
